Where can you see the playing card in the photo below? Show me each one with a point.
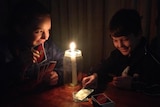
(82, 94)
(41, 72)
(51, 66)
(44, 69)
(42, 53)
(101, 98)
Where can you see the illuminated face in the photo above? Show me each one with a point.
(125, 44)
(38, 32)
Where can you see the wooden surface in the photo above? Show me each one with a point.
(62, 97)
(126, 98)
(56, 97)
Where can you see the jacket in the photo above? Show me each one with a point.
(141, 62)
(13, 74)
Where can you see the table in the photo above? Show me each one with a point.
(62, 97)
(128, 98)
(55, 97)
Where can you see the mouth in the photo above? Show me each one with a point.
(41, 41)
(123, 50)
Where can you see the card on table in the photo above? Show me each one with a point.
(82, 94)
(102, 100)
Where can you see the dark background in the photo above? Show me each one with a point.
(86, 23)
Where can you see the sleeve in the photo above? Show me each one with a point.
(56, 54)
(13, 71)
(150, 71)
(104, 71)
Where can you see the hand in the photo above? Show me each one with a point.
(86, 81)
(35, 55)
(51, 78)
(28, 56)
(122, 82)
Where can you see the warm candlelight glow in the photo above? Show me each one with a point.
(72, 46)
(72, 54)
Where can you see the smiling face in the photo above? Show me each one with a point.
(125, 30)
(38, 32)
(31, 25)
(125, 44)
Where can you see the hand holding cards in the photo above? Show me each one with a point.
(45, 69)
(42, 54)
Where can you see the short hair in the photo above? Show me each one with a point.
(125, 22)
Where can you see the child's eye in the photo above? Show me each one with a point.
(114, 40)
(38, 31)
(125, 39)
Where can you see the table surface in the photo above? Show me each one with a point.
(62, 97)
(127, 98)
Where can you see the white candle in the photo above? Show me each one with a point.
(74, 70)
(74, 65)
(71, 71)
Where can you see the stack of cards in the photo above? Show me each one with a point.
(101, 100)
(82, 95)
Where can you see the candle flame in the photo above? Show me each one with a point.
(72, 46)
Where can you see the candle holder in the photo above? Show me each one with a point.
(72, 66)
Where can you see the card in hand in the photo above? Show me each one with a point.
(41, 72)
(51, 66)
(42, 53)
(44, 69)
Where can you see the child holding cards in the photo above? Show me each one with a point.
(29, 57)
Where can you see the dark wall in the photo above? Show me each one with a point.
(5, 6)
(3, 17)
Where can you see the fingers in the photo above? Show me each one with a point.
(122, 82)
(28, 56)
(89, 80)
(115, 81)
(51, 78)
(54, 76)
(36, 55)
(86, 81)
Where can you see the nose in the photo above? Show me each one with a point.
(45, 35)
(119, 43)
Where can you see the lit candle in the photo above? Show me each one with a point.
(71, 71)
(73, 61)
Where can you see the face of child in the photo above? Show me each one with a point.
(38, 33)
(125, 44)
